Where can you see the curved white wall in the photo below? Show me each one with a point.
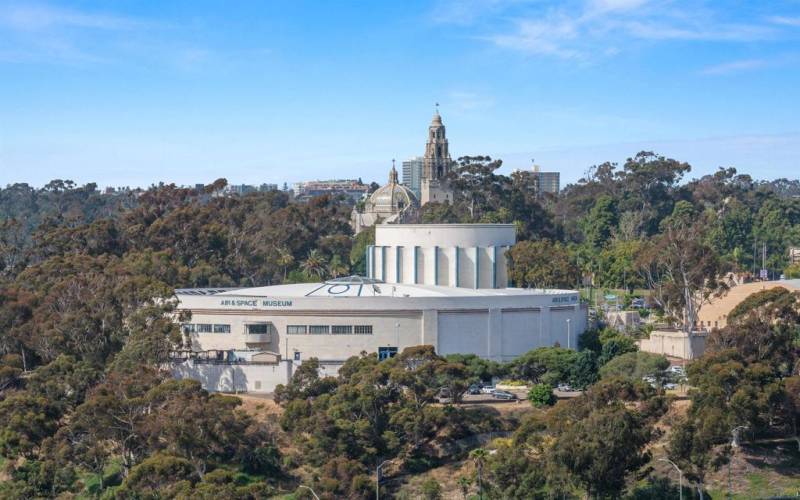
(455, 255)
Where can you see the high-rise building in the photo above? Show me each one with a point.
(436, 164)
(547, 182)
(412, 175)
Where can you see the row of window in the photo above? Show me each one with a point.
(265, 328)
(205, 328)
(329, 329)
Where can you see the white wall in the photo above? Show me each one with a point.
(463, 332)
(232, 378)
(445, 235)
(521, 333)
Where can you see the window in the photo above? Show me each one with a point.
(222, 328)
(318, 329)
(296, 329)
(386, 353)
(341, 329)
(363, 329)
(203, 328)
(259, 328)
(188, 328)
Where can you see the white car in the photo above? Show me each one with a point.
(677, 369)
(487, 390)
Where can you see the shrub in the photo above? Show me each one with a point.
(541, 395)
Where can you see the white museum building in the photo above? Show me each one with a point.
(440, 285)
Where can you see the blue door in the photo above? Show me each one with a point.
(386, 353)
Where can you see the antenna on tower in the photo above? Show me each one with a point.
(437, 108)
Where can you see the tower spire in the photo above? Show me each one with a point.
(393, 174)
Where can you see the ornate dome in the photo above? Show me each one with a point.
(391, 198)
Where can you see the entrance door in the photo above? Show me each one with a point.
(386, 353)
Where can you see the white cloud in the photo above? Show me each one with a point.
(590, 29)
(785, 20)
(735, 67)
(546, 37)
(24, 17)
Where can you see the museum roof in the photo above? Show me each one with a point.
(357, 286)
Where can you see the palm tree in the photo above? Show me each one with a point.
(478, 455)
(315, 264)
(285, 259)
(336, 267)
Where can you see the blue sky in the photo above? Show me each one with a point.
(132, 93)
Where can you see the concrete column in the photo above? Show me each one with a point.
(371, 261)
(494, 347)
(494, 266)
(430, 328)
(398, 256)
(547, 327)
(416, 264)
(477, 280)
(383, 263)
(456, 266)
(435, 265)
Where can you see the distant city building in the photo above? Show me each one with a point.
(436, 164)
(412, 174)
(351, 188)
(547, 182)
(240, 189)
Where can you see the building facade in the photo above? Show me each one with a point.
(332, 321)
(254, 338)
(546, 182)
(412, 175)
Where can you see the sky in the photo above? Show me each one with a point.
(134, 93)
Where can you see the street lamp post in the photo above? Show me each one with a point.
(569, 336)
(734, 445)
(378, 479)
(309, 489)
(680, 475)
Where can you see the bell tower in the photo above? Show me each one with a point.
(436, 164)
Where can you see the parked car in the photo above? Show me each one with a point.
(487, 389)
(504, 395)
(444, 396)
(638, 303)
(474, 389)
(565, 388)
(670, 386)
